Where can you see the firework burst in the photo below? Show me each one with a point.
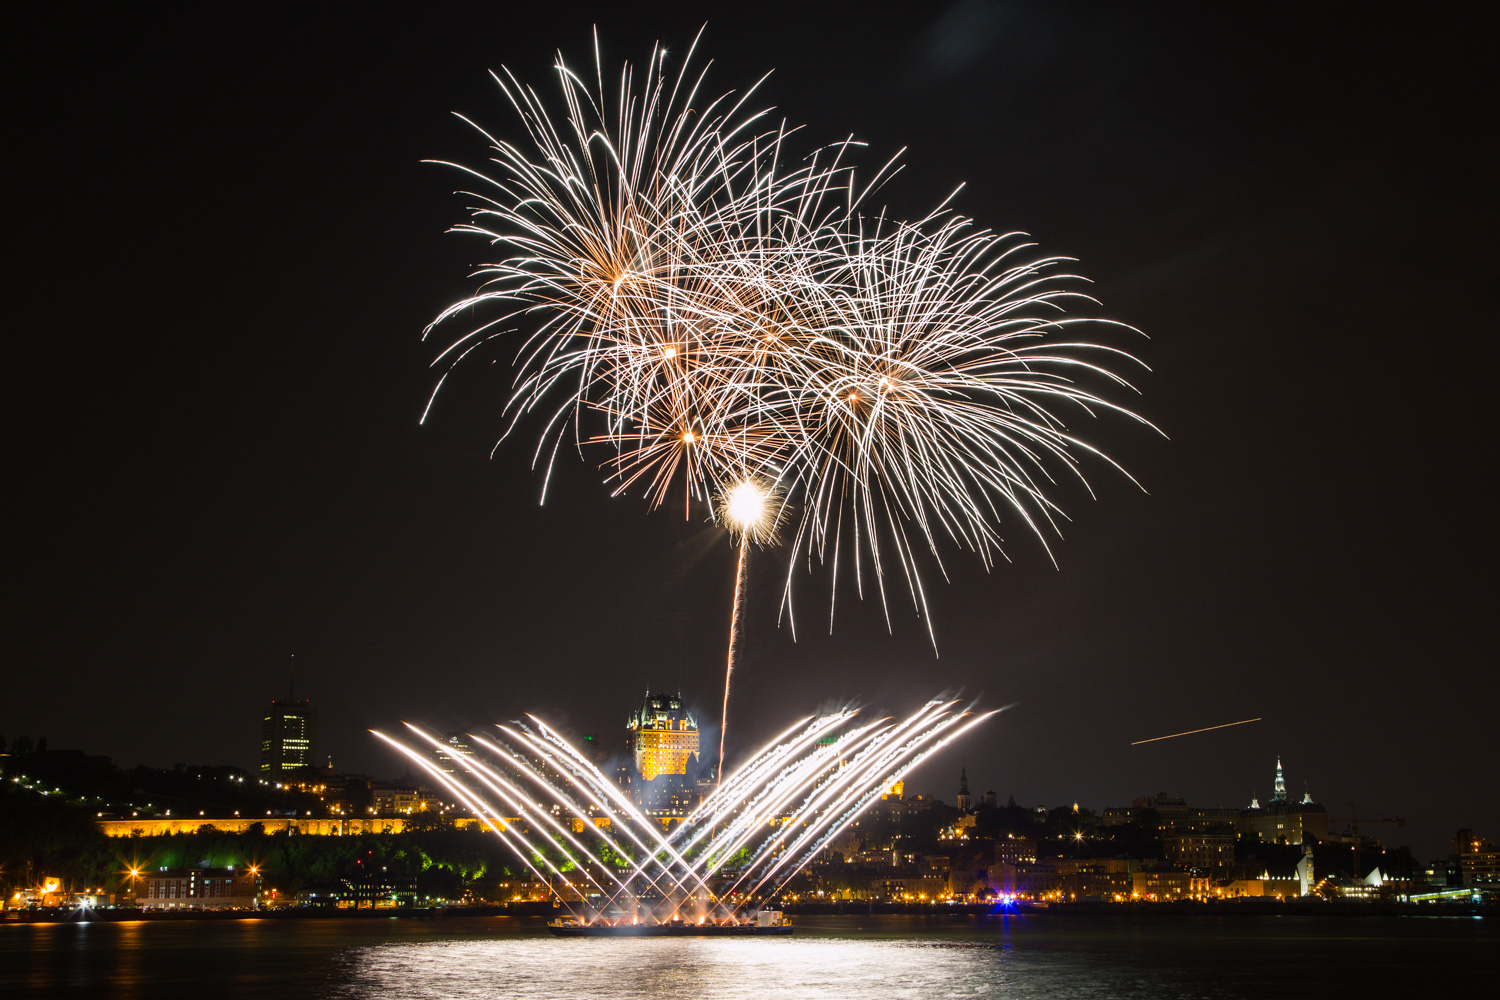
(709, 310)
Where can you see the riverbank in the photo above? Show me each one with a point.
(974, 911)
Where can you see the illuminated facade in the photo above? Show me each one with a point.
(1478, 860)
(286, 735)
(662, 740)
(198, 889)
(662, 737)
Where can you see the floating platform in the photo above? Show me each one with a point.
(574, 928)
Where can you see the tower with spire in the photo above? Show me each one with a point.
(1284, 820)
(964, 800)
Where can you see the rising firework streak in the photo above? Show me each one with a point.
(1190, 732)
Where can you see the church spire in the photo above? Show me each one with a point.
(964, 800)
(1280, 793)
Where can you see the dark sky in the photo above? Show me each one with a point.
(224, 247)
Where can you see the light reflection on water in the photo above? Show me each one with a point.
(1019, 958)
(690, 967)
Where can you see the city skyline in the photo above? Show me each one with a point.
(233, 248)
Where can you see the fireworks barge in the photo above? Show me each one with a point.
(767, 923)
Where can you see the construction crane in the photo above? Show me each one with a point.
(1354, 822)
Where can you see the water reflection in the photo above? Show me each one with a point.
(714, 968)
(1250, 957)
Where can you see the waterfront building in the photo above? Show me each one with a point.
(198, 889)
(1038, 881)
(1280, 887)
(1478, 860)
(1164, 886)
(287, 733)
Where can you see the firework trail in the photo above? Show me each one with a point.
(752, 509)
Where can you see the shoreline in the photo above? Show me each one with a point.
(978, 911)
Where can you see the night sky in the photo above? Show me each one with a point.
(224, 247)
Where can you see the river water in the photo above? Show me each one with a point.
(1021, 957)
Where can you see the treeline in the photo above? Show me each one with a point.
(46, 835)
(49, 836)
(443, 861)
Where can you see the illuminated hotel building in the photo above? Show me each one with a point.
(286, 735)
(662, 739)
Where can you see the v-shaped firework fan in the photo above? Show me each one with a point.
(574, 828)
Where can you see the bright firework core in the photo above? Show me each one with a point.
(746, 504)
(750, 508)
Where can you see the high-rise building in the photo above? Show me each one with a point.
(454, 755)
(662, 741)
(286, 735)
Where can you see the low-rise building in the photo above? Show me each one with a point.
(1165, 885)
(198, 889)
